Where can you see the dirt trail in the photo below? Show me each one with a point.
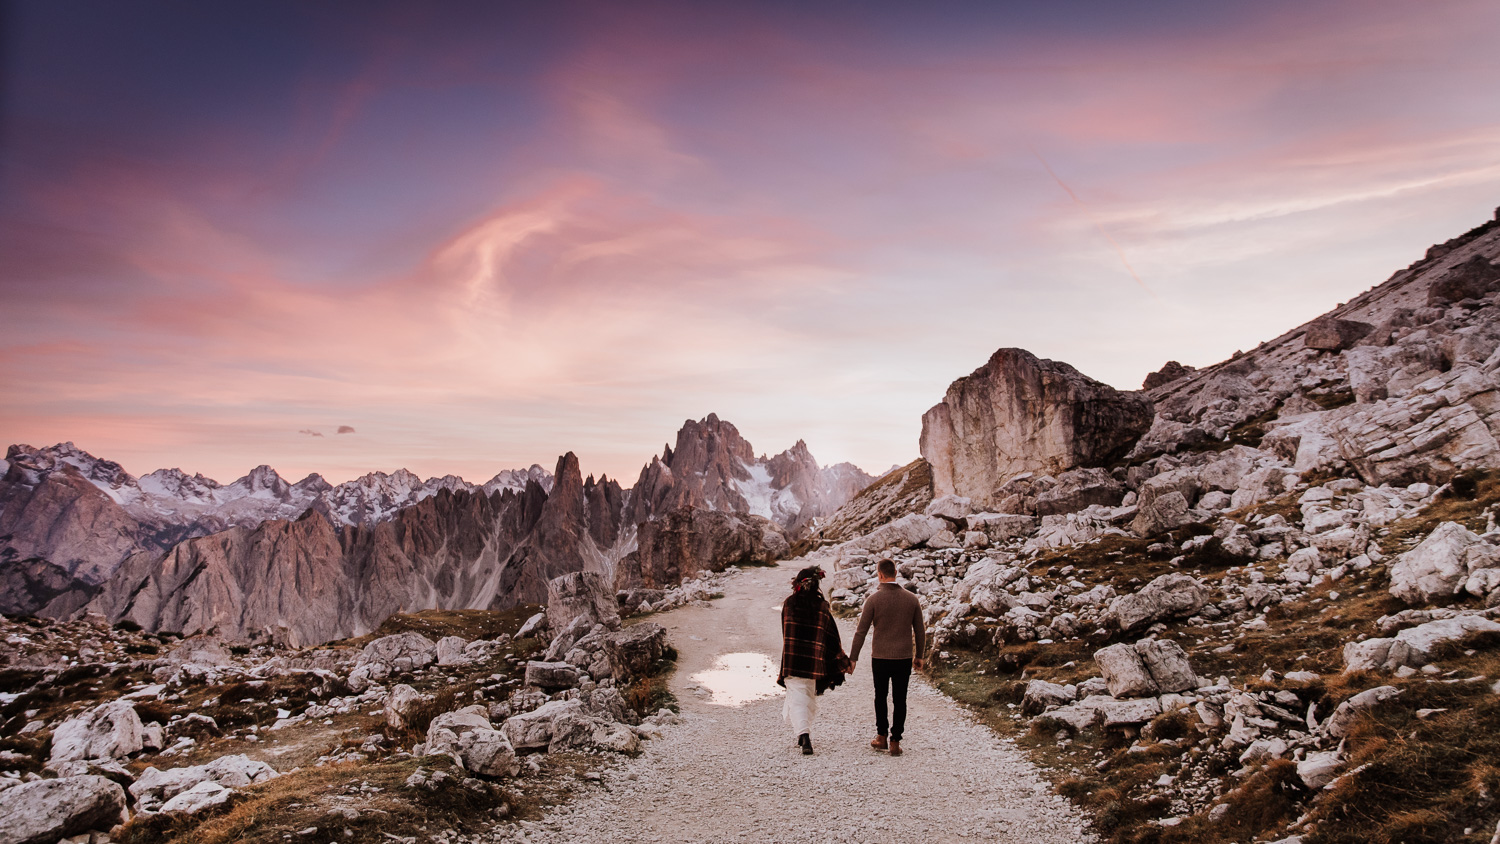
(733, 773)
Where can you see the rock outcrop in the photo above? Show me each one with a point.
(1020, 414)
(680, 544)
(46, 811)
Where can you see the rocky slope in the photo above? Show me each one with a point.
(1275, 618)
(469, 721)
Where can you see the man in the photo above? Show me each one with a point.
(899, 640)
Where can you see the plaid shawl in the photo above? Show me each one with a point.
(811, 647)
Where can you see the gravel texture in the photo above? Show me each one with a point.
(733, 773)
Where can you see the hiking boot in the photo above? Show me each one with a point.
(879, 743)
(895, 747)
(806, 742)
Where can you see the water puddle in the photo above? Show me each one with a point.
(738, 679)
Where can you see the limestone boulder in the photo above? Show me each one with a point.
(444, 732)
(488, 752)
(204, 795)
(399, 705)
(634, 651)
(1444, 425)
(954, 507)
(581, 594)
(1002, 527)
(1078, 489)
(451, 651)
(1041, 695)
(551, 676)
(906, 532)
(1017, 414)
(156, 786)
(389, 656)
(1320, 768)
(109, 731)
(1344, 715)
(1168, 596)
(1163, 513)
(1415, 646)
(46, 811)
(1439, 566)
(580, 731)
(1148, 667)
(533, 730)
(1333, 335)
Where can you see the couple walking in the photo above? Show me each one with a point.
(813, 659)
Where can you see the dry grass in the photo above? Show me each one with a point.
(468, 624)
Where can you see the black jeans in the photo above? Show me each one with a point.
(895, 673)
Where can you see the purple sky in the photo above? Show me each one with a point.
(485, 234)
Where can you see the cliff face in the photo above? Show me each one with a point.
(1018, 414)
(682, 543)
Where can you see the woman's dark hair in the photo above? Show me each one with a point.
(806, 596)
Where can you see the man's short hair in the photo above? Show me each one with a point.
(887, 568)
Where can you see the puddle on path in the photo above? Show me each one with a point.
(738, 679)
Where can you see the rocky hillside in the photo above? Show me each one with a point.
(1273, 614)
(445, 725)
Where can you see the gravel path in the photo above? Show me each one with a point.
(733, 773)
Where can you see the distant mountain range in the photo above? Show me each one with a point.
(310, 561)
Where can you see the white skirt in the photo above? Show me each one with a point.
(801, 705)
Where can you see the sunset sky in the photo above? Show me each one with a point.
(483, 234)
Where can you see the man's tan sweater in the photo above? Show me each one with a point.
(897, 617)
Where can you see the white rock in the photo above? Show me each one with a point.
(109, 731)
(204, 795)
(44, 811)
(450, 651)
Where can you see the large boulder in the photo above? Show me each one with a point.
(389, 656)
(110, 731)
(1080, 488)
(1168, 596)
(634, 651)
(908, 531)
(533, 730)
(1440, 427)
(1042, 695)
(399, 705)
(1000, 527)
(1438, 568)
(45, 811)
(450, 651)
(1163, 513)
(488, 752)
(1148, 667)
(155, 786)
(1415, 646)
(551, 676)
(581, 731)
(1017, 414)
(1332, 335)
(581, 594)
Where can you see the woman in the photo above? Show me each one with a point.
(812, 655)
